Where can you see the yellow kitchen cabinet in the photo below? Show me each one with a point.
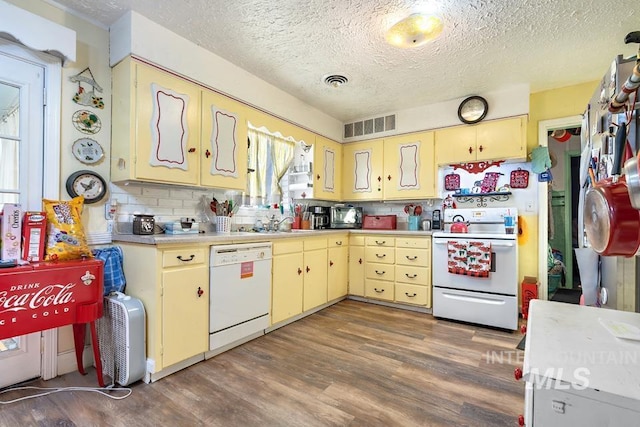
(363, 170)
(223, 152)
(338, 270)
(493, 140)
(356, 265)
(173, 285)
(299, 277)
(398, 269)
(315, 273)
(327, 169)
(287, 284)
(409, 167)
(155, 125)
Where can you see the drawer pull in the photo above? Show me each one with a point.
(378, 290)
(411, 276)
(200, 292)
(380, 273)
(411, 258)
(381, 243)
(186, 260)
(339, 243)
(381, 256)
(410, 296)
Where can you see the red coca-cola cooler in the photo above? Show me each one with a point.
(48, 295)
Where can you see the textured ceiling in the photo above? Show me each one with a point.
(486, 44)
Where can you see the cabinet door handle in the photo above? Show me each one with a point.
(207, 153)
(480, 148)
(388, 177)
(330, 263)
(379, 178)
(380, 273)
(299, 271)
(308, 269)
(381, 243)
(359, 260)
(339, 243)
(200, 292)
(378, 290)
(186, 260)
(410, 296)
(192, 150)
(411, 276)
(411, 258)
(318, 177)
(381, 256)
(470, 150)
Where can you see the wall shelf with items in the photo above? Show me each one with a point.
(482, 198)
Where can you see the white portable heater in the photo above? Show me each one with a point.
(121, 338)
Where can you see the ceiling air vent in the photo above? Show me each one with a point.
(335, 80)
(372, 126)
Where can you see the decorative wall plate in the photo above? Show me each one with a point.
(86, 122)
(87, 151)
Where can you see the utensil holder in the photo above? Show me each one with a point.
(414, 220)
(223, 224)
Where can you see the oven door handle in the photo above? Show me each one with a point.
(480, 299)
(506, 245)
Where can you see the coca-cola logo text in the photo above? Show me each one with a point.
(35, 297)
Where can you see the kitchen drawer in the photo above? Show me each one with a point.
(417, 257)
(312, 244)
(413, 242)
(378, 289)
(186, 256)
(356, 240)
(380, 241)
(338, 241)
(287, 247)
(412, 294)
(382, 254)
(413, 275)
(379, 271)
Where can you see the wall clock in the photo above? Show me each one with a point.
(473, 109)
(87, 151)
(88, 184)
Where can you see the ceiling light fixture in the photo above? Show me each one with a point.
(415, 30)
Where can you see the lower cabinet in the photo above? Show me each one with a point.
(299, 280)
(337, 270)
(398, 269)
(173, 285)
(356, 265)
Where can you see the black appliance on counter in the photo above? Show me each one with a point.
(319, 217)
(345, 217)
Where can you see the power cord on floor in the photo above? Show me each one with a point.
(52, 390)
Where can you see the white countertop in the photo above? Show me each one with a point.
(568, 342)
(214, 238)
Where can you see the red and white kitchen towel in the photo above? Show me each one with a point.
(469, 258)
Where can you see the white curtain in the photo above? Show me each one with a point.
(270, 155)
(9, 157)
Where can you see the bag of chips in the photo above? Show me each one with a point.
(65, 235)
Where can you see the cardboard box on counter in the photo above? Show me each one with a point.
(33, 236)
(11, 231)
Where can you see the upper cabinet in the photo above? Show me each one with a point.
(223, 152)
(327, 169)
(400, 167)
(362, 174)
(409, 170)
(492, 140)
(167, 129)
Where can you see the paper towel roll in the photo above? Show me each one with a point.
(588, 263)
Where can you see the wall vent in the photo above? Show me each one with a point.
(371, 126)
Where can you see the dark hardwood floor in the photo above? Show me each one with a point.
(352, 364)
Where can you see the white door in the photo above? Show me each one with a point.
(21, 165)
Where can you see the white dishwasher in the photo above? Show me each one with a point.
(239, 295)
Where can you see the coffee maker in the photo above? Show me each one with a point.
(319, 217)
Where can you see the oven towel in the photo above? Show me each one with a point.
(457, 257)
(478, 259)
